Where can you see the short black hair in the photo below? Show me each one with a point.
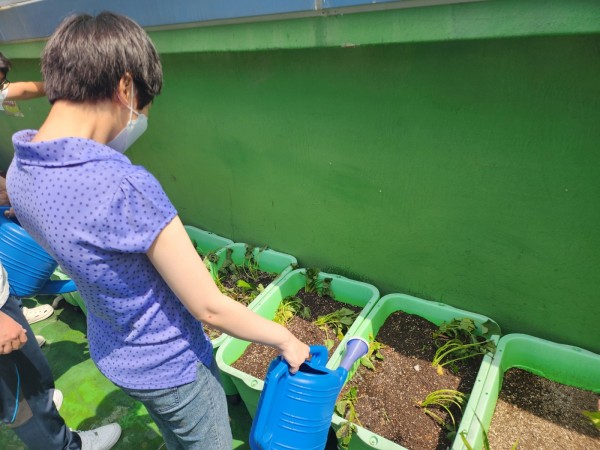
(86, 57)
(5, 64)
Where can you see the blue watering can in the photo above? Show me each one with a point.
(28, 266)
(294, 411)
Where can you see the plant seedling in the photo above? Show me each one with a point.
(243, 291)
(228, 265)
(240, 282)
(373, 354)
(315, 284)
(244, 277)
(197, 247)
(444, 399)
(338, 321)
(456, 328)
(289, 308)
(456, 341)
(212, 333)
(250, 265)
(594, 417)
(346, 408)
(206, 257)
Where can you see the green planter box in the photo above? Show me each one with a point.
(560, 363)
(433, 312)
(344, 290)
(269, 261)
(72, 298)
(206, 241)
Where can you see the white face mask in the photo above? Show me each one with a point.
(132, 131)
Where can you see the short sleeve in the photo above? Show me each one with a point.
(3, 93)
(138, 212)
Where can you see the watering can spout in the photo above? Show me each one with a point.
(356, 348)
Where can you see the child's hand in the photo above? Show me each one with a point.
(12, 335)
(9, 213)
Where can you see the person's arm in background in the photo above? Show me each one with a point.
(21, 90)
(175, 258)
(12, 335)
(24, 90)
(4, 200)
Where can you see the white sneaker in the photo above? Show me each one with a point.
(57, 398)
(101, 438)
(38, 313)
(41, 340)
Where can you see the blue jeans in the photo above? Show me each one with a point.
(26, 389)
(193, 416)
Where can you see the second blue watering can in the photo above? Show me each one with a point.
(28, 266)
(294, 410)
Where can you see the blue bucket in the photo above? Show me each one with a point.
(27, 265)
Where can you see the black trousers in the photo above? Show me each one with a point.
(26, 390)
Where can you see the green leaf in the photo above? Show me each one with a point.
(244, 285)
(594, 416)
(484, 329)
(365, 361)
(340, 407)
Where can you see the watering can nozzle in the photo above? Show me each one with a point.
(356, 348)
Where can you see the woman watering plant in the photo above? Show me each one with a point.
(111, 227)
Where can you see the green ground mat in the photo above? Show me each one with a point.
(91, 400)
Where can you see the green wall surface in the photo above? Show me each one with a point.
(463, 171)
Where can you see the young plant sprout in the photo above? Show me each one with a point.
(242, 282)
(373, 354)
(315, 284)
(346, 408)
(444, 399)
(244, 278)
(594, 417)
(457, 340)
(207, 257)
(338, 321)
(289, 308)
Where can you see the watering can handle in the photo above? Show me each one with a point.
(318, 355)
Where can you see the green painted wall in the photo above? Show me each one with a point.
(462, 171)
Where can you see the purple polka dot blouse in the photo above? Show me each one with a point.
(97, 215)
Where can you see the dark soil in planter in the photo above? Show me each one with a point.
(387, 397)
(239, 294)
(255, 360)
(542, 414)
